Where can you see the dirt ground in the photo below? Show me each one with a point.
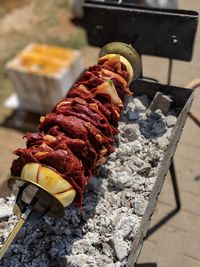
(25, 21)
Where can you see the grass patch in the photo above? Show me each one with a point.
(5, 88)
(46, 12)
(64, 3)
(76, 40)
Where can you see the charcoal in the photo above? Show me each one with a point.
(141, 103)
(132, 132)
(120, 248)
(101, 233)
(133, 115)
(111, 265)
(144, 168)
(6, 211)
(162, 142)
(171, 120)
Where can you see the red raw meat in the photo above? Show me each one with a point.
(74, 139)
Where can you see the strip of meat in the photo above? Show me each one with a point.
(85, 111)
(70, 125)
(74, 139)
(61, 160)
(57, 140)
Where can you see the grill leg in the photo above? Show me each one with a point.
(175, 185)
(177, 199)
(194, 118)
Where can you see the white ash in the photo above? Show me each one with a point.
(102, 232)
(171, 120)
(6, 208)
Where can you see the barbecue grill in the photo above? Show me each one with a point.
(175, 42)
(166, 33)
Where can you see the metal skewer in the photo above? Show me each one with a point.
(32, 203)
(14, 232)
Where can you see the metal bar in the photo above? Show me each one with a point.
(175, 186)
(195, 119)
(169, 75)
(11, 237)
(148, 264)
(157, 32)
(14, 232)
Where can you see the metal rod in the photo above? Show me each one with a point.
(175, 186)
(194, 118)
(169, 76)
(14, 232)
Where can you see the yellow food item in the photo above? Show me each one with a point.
(51, 181)
(43, 59)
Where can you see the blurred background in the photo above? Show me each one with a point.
(48, 21)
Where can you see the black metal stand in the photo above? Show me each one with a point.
(169, 75)
(167, 217)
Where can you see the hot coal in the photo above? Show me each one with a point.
(102, 232)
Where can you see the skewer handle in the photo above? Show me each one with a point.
(14, 232)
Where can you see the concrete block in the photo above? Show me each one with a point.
(41, 75)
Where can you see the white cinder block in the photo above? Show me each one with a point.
(42, 75)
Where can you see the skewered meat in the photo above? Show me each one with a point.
(74, 139)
